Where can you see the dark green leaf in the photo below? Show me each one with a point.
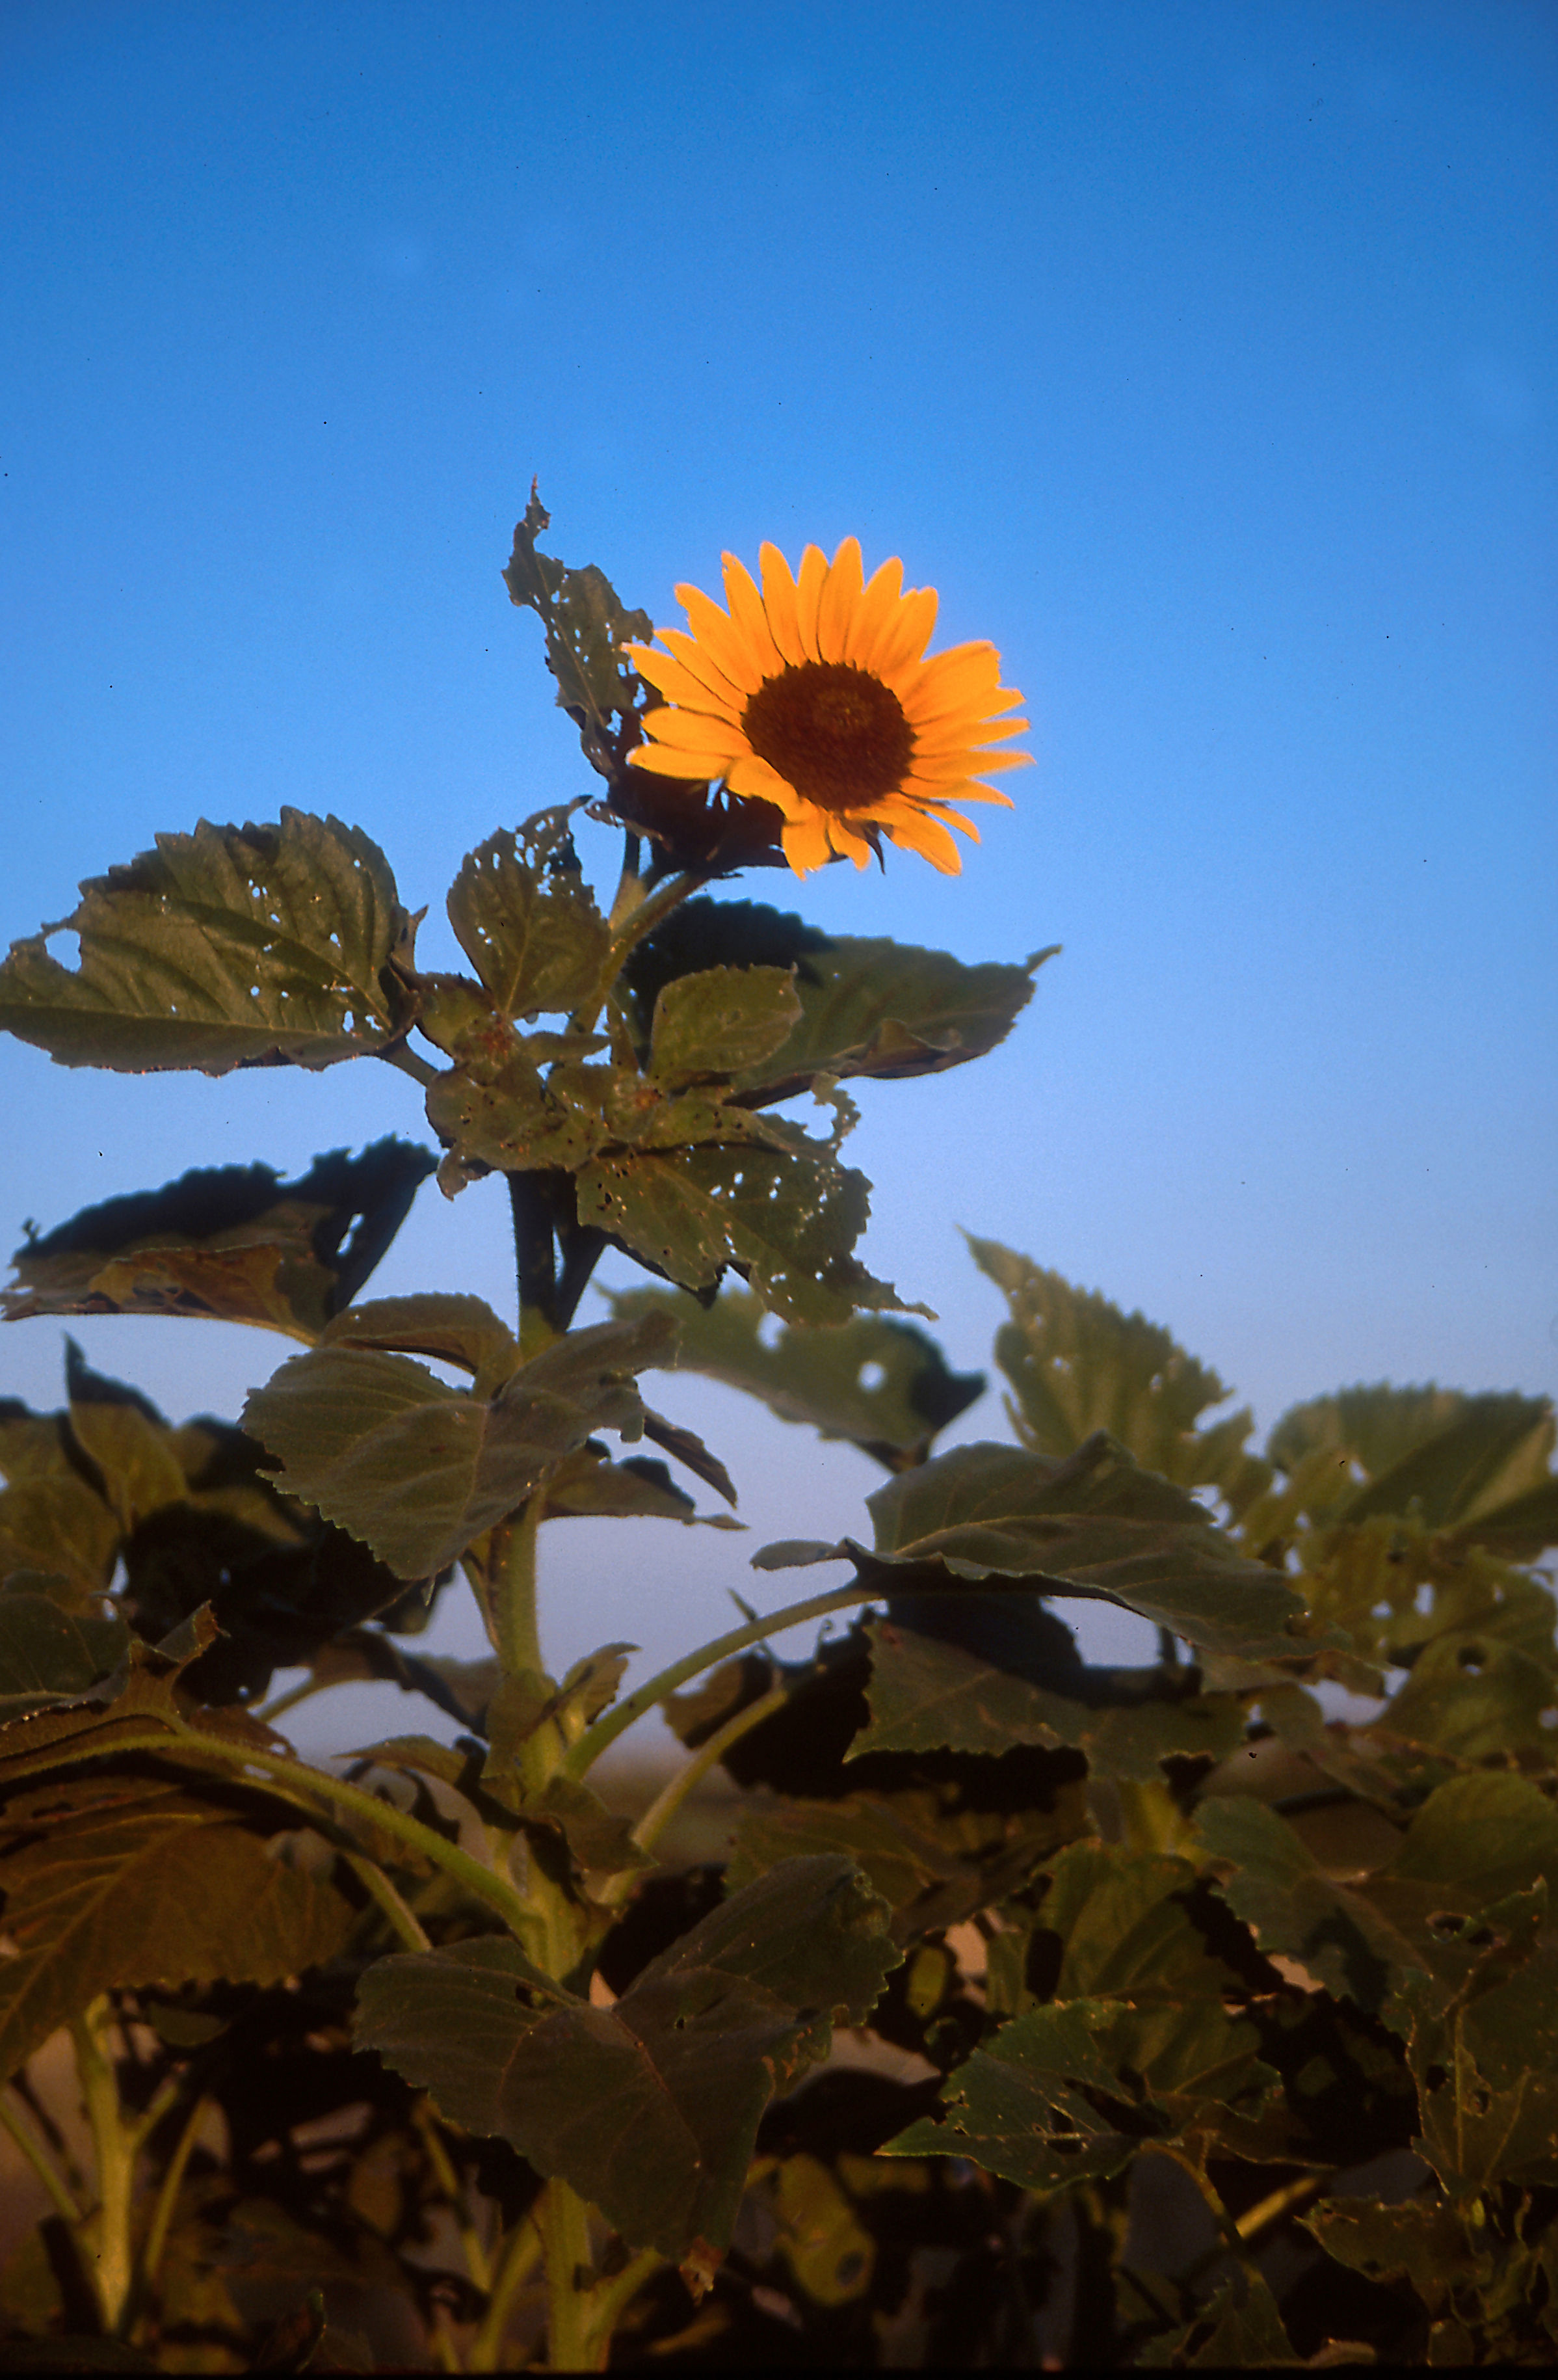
(788, 1221)
(586, 1484)
(58, 1524)
(586, 629)
(1094, 1524)
(1070, 2092)
(417, 1469)
(1239, 2328)
(1077, 1364)
(824, 1378)
(232, 1243)
(649, 2110)
(232, 946)
(926, 1694)
(527, 921)
(124, 1882)
(451, 1329)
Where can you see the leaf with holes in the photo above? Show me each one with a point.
(649, 2109)
(823, 1378)
(789, 1223)
(527, 921)
(232, 946)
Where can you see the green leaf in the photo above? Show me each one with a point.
(123, 1881)
(1077, 1364)
(868, 1007)
(823, 1378)
(1071, 2091)
(233, 1244)
(927, 1695)
(1476, 1698)
(47, 1654)
(788, 1221)
(55, 1524)
(230, 947)
(1238, 2328)
(1480, 1466)
(1476, 1839)
(527, 921)
(720, 1021)
(451, 1329)
(649, 2109)
(1094, 1524)
(587, 1484)
(416, 1469)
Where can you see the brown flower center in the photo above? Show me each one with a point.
(835, 732)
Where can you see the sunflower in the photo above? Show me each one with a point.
(816, 694)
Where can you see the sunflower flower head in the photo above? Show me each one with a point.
(814, 694)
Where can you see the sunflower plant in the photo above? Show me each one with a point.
(955, 2000)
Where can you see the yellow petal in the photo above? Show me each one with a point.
(906, 635)
(780, 602)
(746, 611)
(844, 839)
(691, 731)
(726, 646)
(661, 762)
(696, 660)
(930, 839)
(805, 842)
(754, 779)
(876, 608)
(808, 596)
(963, 736)
(678, 684)
(840, 594)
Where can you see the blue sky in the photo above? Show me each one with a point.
(1202, 355)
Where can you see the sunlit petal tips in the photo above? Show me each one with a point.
(813, 692)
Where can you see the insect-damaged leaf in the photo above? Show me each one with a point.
(1037, 2105)
(649, 2109)
(232, 946)
(1476, 1840)
(789, 1221)
(586, 628)
(927, 1695)
(126, 1881)
(416, 1469)
(821, 1378)
(230, 1242)
(1077, 1364)
(1094, 1524)
(1477, 1466)
(527, 921)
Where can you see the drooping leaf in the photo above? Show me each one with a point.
(1077, 1364)
(228, 947)
(1094, 1525)
(417, 1469)
(123, 1881)
(722, 1022)
(882, 1383)
(927, 1693)
(586, 628)
(650, 2109)
(1041, 2104)
(527, 921)
(234, 1244)
(788, 1221)
(868, 1006)
(451, 1329)
(587, 1484)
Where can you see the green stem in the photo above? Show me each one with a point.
(401, 1918)
(477, 2261)
(107, 2230)
(33, 2150)
(667, 1802)
(610, 2300)
(642, 920)
(167, 2193)
(564, 2225)
(269, 1713)
(616, 1722)
(408, 1063)
(518, 1630)
(518, 2261)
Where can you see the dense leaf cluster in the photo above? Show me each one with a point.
(959, 2000)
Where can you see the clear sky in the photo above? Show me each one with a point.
(1202, 355)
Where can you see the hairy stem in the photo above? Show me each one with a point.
(667, 1802)
(517, 2261)
(564, 2222)
(37, 2156)
(167, 2193)
(535, 1258)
